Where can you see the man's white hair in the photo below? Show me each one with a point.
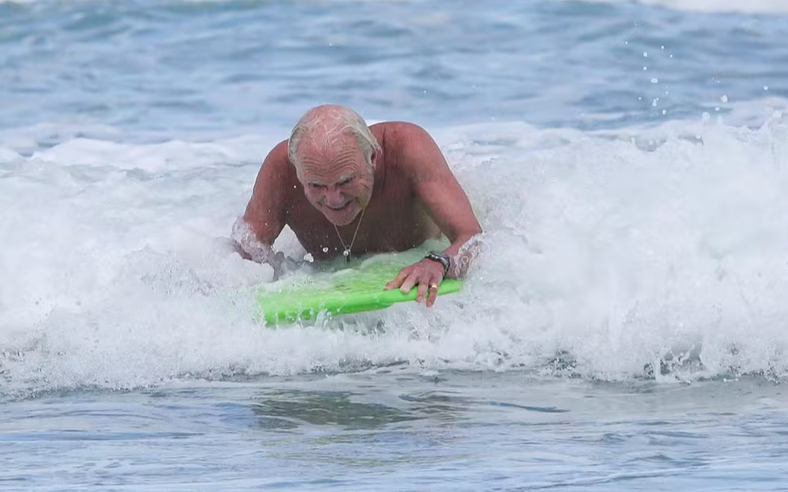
(328, 123)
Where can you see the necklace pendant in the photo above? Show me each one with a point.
(346, 252)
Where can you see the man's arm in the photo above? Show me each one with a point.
(445, 201)
(264, 219)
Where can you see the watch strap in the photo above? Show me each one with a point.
(441, 258)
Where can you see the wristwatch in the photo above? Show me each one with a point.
(441, 258)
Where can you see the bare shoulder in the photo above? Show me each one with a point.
(408, 145)
(401, 133)
(273, 184)
(277, 158)
(276, 170)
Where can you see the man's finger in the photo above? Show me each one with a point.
(401, 276)
(409, 282)
(422, 290)
(432, 292)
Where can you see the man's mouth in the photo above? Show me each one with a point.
(342, 207)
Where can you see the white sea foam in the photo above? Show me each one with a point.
(607, 256)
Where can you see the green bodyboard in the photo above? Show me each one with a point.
(352, 290)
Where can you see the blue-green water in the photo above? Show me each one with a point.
(624, 329)
(391, 430)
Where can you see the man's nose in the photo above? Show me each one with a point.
(334, 197)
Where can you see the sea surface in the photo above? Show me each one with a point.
(625, 327)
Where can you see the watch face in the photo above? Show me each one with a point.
(439, 255)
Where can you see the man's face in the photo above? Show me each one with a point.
(337, 181)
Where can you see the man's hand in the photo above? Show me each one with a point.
(427, 274)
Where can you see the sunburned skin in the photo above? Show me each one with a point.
(394, 219)
(408, 195)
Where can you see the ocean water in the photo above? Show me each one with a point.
(625, 328)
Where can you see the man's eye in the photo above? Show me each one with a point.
(346, 181)
(315, 186)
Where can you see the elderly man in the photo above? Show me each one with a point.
(346, 188)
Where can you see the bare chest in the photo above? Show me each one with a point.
(394, 223)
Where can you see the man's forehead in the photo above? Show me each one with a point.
(324, 148)
(322, 178)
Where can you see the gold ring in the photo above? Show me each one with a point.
(434, 286)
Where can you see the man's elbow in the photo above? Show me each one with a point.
(248, 244)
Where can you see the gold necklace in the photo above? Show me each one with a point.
(346, 252)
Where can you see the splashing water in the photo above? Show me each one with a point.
(606, 257)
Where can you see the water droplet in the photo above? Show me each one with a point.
(671, 56)
(645, 68)
(654, 80)
(640, 98)
(717, 108)
(654, 102)
(645, 54)
(662, 47)
(325, 249)
(724, 99)
(766, 87)
(664, 111)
